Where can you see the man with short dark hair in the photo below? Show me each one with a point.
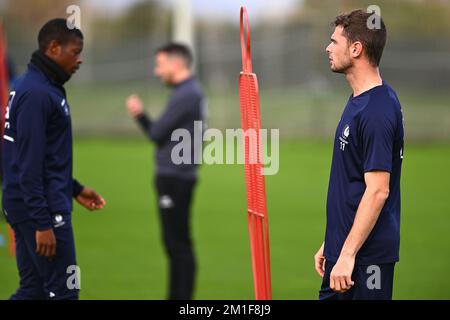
(362, 237)
(175, 180)
(37, 164)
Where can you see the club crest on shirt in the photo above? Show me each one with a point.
(344, 137)
(58, 220)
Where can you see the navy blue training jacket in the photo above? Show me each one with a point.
(37, 151)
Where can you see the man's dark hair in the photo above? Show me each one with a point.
(57, 29)
(177, 49)
(356, 28)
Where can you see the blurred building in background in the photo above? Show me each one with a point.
(300, 95)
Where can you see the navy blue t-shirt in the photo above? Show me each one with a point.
(369, 137)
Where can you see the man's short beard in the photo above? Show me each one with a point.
(344, 67)
(167, 81)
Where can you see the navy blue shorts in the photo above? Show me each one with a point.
(41, 278)
(372, 282)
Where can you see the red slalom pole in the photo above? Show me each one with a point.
(258, 225)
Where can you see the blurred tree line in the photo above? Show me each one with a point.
(144, 19)
(123, 41)
(405, 18)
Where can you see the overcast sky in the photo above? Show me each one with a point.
(215, 8)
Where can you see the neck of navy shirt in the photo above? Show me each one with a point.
(369, 137)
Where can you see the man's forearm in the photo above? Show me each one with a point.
(145, 123)
(367, 215)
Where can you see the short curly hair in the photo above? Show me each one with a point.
(58, 30)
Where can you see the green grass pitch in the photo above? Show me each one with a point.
(121, 256)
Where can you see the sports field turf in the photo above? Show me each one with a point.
(121, 257)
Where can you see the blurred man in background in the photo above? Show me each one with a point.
(362, 237)
(37, 165)
(175, 181)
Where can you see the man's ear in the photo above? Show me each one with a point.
(356, 49)
(53, 49)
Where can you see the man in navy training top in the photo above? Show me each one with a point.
(37, 164)
(362, 236)
(175, 180)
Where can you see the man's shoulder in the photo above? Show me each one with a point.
(32, 83)
(191, 89)
(382, 101)
(29, 93)
(384, 95)
(186, 99)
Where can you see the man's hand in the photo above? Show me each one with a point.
(319, 261)
(90, 199)
(341, 275)
(46, 243)
(134, 106)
